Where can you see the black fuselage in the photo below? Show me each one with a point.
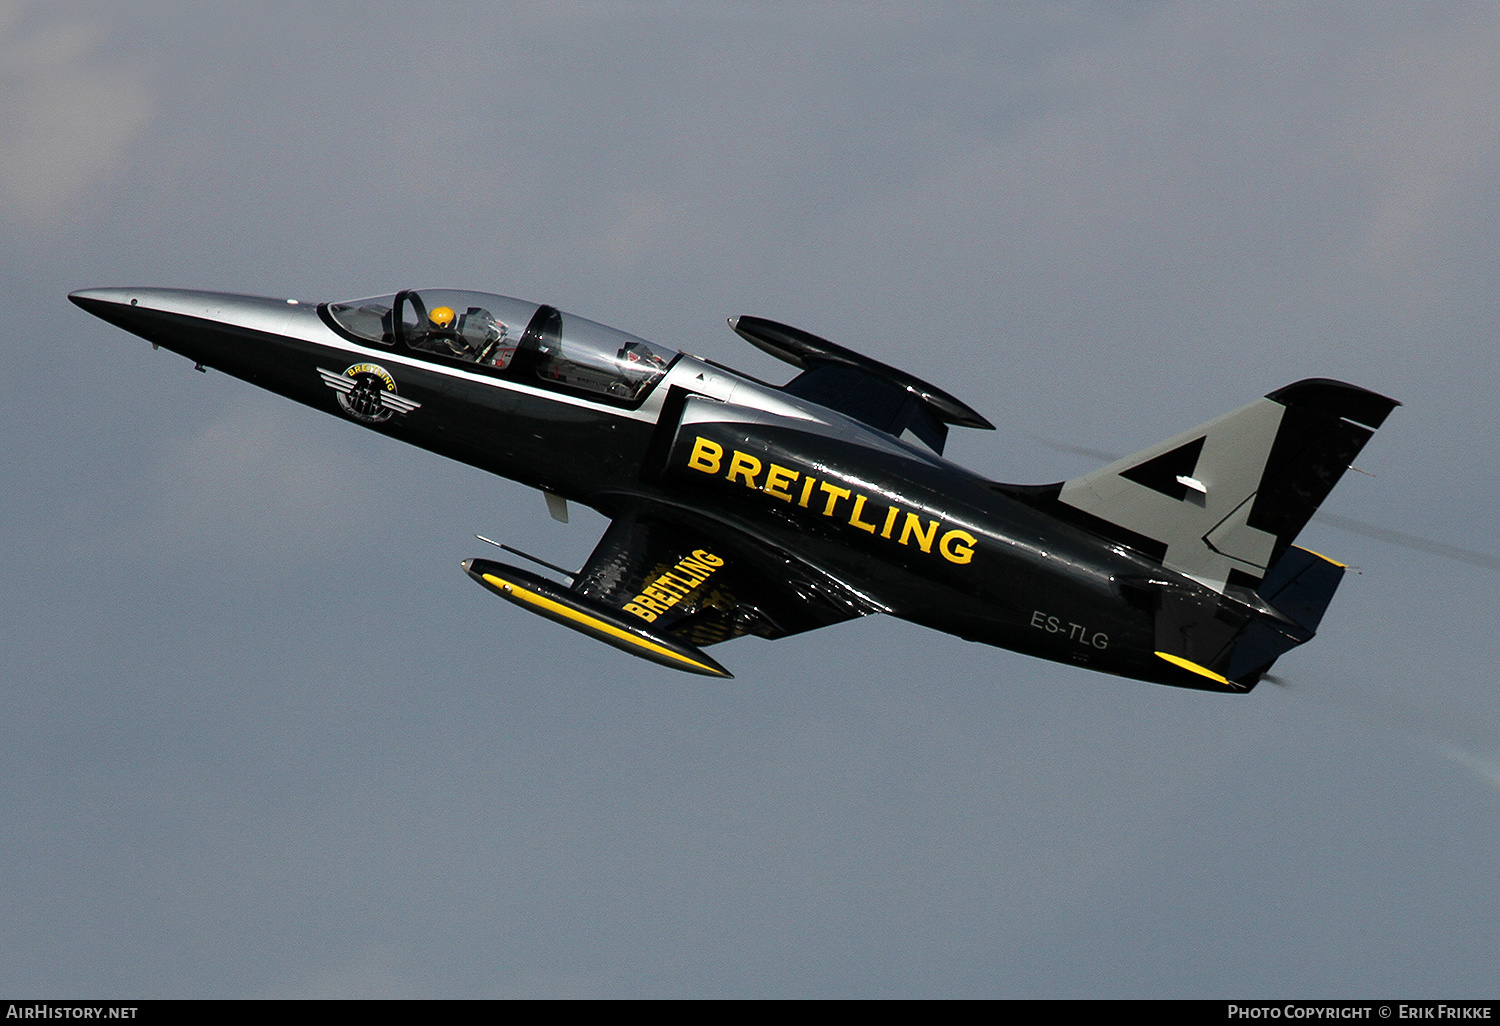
(911, 534)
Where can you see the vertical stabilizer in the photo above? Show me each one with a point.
(1223, 503)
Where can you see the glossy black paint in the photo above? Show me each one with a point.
(513, 433)
(1022, 562)
(740, 508)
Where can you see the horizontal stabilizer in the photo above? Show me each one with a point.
(588, 616)
(1301, 585)
(1295, 593)
(872, 392)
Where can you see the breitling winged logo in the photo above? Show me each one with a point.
(367, 392)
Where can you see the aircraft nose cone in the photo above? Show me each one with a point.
(144, 312)
(130, 309)
(96, 301)
(202, 325)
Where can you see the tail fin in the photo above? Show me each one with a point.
(1223, 503)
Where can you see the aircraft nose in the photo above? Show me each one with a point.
(176, 318)
(139, 311)
(222, 330)
(96, 301)
(130, 309)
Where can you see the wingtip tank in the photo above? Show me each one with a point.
(580, 613)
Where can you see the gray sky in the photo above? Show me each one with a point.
(261, 737)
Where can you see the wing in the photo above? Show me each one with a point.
(884, 397)
(706, 582)
(664, 581)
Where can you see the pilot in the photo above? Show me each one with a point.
(442, 333)
(440, 322)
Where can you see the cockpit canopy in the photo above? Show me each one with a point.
(510, 338)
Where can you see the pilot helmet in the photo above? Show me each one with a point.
(442, 317)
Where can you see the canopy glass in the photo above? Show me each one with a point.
(524, 340)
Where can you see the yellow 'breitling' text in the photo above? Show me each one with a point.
(800, 488)
(674, 585)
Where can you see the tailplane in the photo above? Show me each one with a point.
(1232, 651)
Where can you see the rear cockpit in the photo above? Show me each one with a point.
(507, 338)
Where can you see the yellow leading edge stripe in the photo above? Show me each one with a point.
(1201, 671)
(544, 602)
(1341, 566)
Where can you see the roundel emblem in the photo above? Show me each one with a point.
(367, 392)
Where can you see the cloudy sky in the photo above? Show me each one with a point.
(261, 737)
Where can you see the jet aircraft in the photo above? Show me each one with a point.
(740, 507)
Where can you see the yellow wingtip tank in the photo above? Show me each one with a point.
(565, 606)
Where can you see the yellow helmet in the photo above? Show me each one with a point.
(442, 317)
